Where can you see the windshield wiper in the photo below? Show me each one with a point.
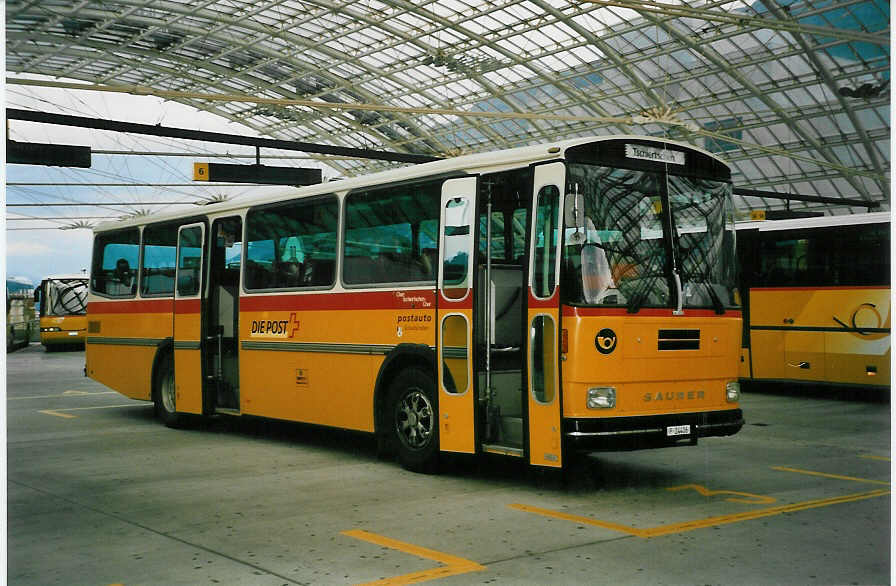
(634, 306)
(716, 301)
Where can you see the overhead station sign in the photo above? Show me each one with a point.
(261, 174)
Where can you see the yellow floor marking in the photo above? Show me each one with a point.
(883, 458)
(64, 394)
(453, 565)
(826, 475)
(749, 498)
(59, 412)
(703, 523)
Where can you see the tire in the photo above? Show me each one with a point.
(414, 420)
(164, 394)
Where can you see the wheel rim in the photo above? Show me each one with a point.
(167, 391)
(414, 419)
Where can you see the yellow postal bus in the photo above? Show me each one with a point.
(578, 295)
(63, 311)
(817, 306)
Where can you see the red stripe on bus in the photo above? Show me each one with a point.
(416, 299)
(451, 304)
(570, 311)
(183, 306)
(550, 302)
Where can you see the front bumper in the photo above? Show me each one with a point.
(63, 337)
(648, 431)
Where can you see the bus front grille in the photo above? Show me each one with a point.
(678, 340)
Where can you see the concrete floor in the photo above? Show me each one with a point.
(99, 492)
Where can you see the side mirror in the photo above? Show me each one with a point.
(574, 211)
(37, 295)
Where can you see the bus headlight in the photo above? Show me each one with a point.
(602, 398)
(732, 392)
(51, 329)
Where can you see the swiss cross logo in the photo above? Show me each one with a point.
(293, 325)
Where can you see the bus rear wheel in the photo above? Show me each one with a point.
(165, 394)
(414, 421)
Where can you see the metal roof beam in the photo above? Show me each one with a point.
(219, 137)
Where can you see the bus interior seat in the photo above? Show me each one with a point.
(158, 283)
(186, 281)
(257, 276)
(321, 271)
(360, 269)
(289, 274)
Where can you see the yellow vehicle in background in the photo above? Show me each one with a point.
(817, 304)
(63, 311)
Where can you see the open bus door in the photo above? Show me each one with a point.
(188, 320)
(455, 316)
(543, 317)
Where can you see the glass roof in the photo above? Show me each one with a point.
(794, 94)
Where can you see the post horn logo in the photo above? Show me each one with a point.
(605, 341)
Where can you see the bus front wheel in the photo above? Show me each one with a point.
(165, 394)
(414, 420)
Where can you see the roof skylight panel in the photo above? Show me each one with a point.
(590, 22)
(556, 62)
(586, 53)
(486, 22)
(309, 29)
(516, 74)
(411, 21)
(546, 37)
(874, 117)
(458, 91)
(507, 18)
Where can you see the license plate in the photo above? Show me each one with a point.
(678, 430)
(73, 333)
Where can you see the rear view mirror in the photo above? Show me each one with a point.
(574, 216)
(574, 210)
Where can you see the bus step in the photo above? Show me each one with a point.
(226, 411)
(503, 450)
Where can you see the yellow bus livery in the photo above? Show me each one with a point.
(63, 311)
(818, 300)
(527, 303)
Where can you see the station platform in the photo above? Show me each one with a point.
(100, 492)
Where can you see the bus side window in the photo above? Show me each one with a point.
(385, 230)
(292, 245)
(159, 260)
(115, 260)
(546, 237)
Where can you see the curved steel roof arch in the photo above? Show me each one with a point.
(794, 93)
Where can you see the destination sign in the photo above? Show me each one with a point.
(637, 151)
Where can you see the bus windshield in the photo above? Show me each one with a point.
(64, 297)
(644, 234)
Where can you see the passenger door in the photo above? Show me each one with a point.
(455, 316)
(543, 317)
(188, 318)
